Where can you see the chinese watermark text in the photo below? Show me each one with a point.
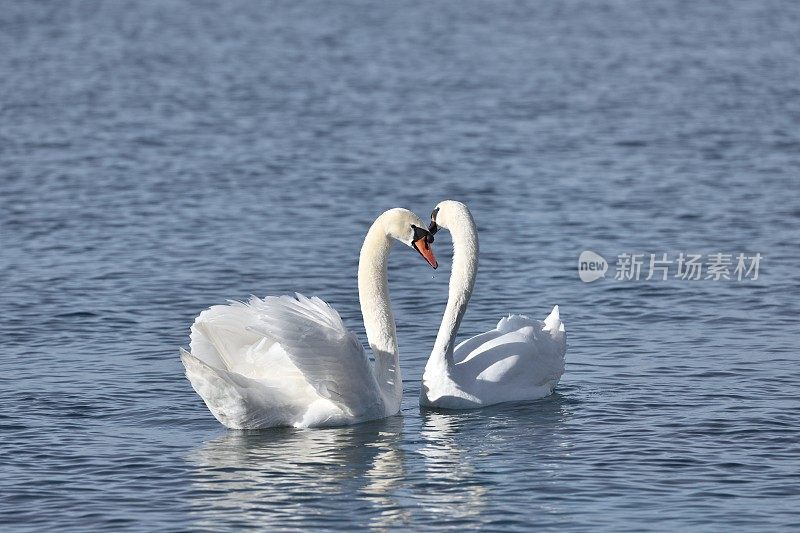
(663, 266)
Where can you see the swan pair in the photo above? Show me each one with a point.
(290, 361)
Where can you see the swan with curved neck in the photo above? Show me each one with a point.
(373, 294)
(521, 359)
(289, 361)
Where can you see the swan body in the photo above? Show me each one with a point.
(520, 359)
(290, 361)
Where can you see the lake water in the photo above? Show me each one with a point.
(157, 158)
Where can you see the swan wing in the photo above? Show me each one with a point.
(221, 336)
(526, 348)
(519, 349)
(512, 324)
(469, 346)
(316, 341)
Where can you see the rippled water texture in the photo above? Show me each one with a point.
(160, 157)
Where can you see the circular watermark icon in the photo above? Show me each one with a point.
(591, 266)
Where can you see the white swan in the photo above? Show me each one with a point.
(521, 359)
(289, 361)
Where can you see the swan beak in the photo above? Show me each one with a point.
(425, 250)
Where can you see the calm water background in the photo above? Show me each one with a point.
(160, 157)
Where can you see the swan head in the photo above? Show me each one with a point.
(446, 213)
(408, 228)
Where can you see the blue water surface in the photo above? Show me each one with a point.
(158, 157)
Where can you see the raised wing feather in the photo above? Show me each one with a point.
(237, 401)
(330, 357)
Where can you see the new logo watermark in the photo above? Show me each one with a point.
(591, 266)
(661, 267)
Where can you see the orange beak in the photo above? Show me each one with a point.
(425, 250)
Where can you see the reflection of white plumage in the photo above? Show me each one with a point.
(289, 361)
(521, 359)
(236, 477)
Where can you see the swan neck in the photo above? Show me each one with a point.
(373, 293)
(462, 280)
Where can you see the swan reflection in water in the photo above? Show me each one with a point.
(470, 456)
(286, 477)
(433, 468)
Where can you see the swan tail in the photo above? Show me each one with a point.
(555, 327)
(236, 401)
(553, 323)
